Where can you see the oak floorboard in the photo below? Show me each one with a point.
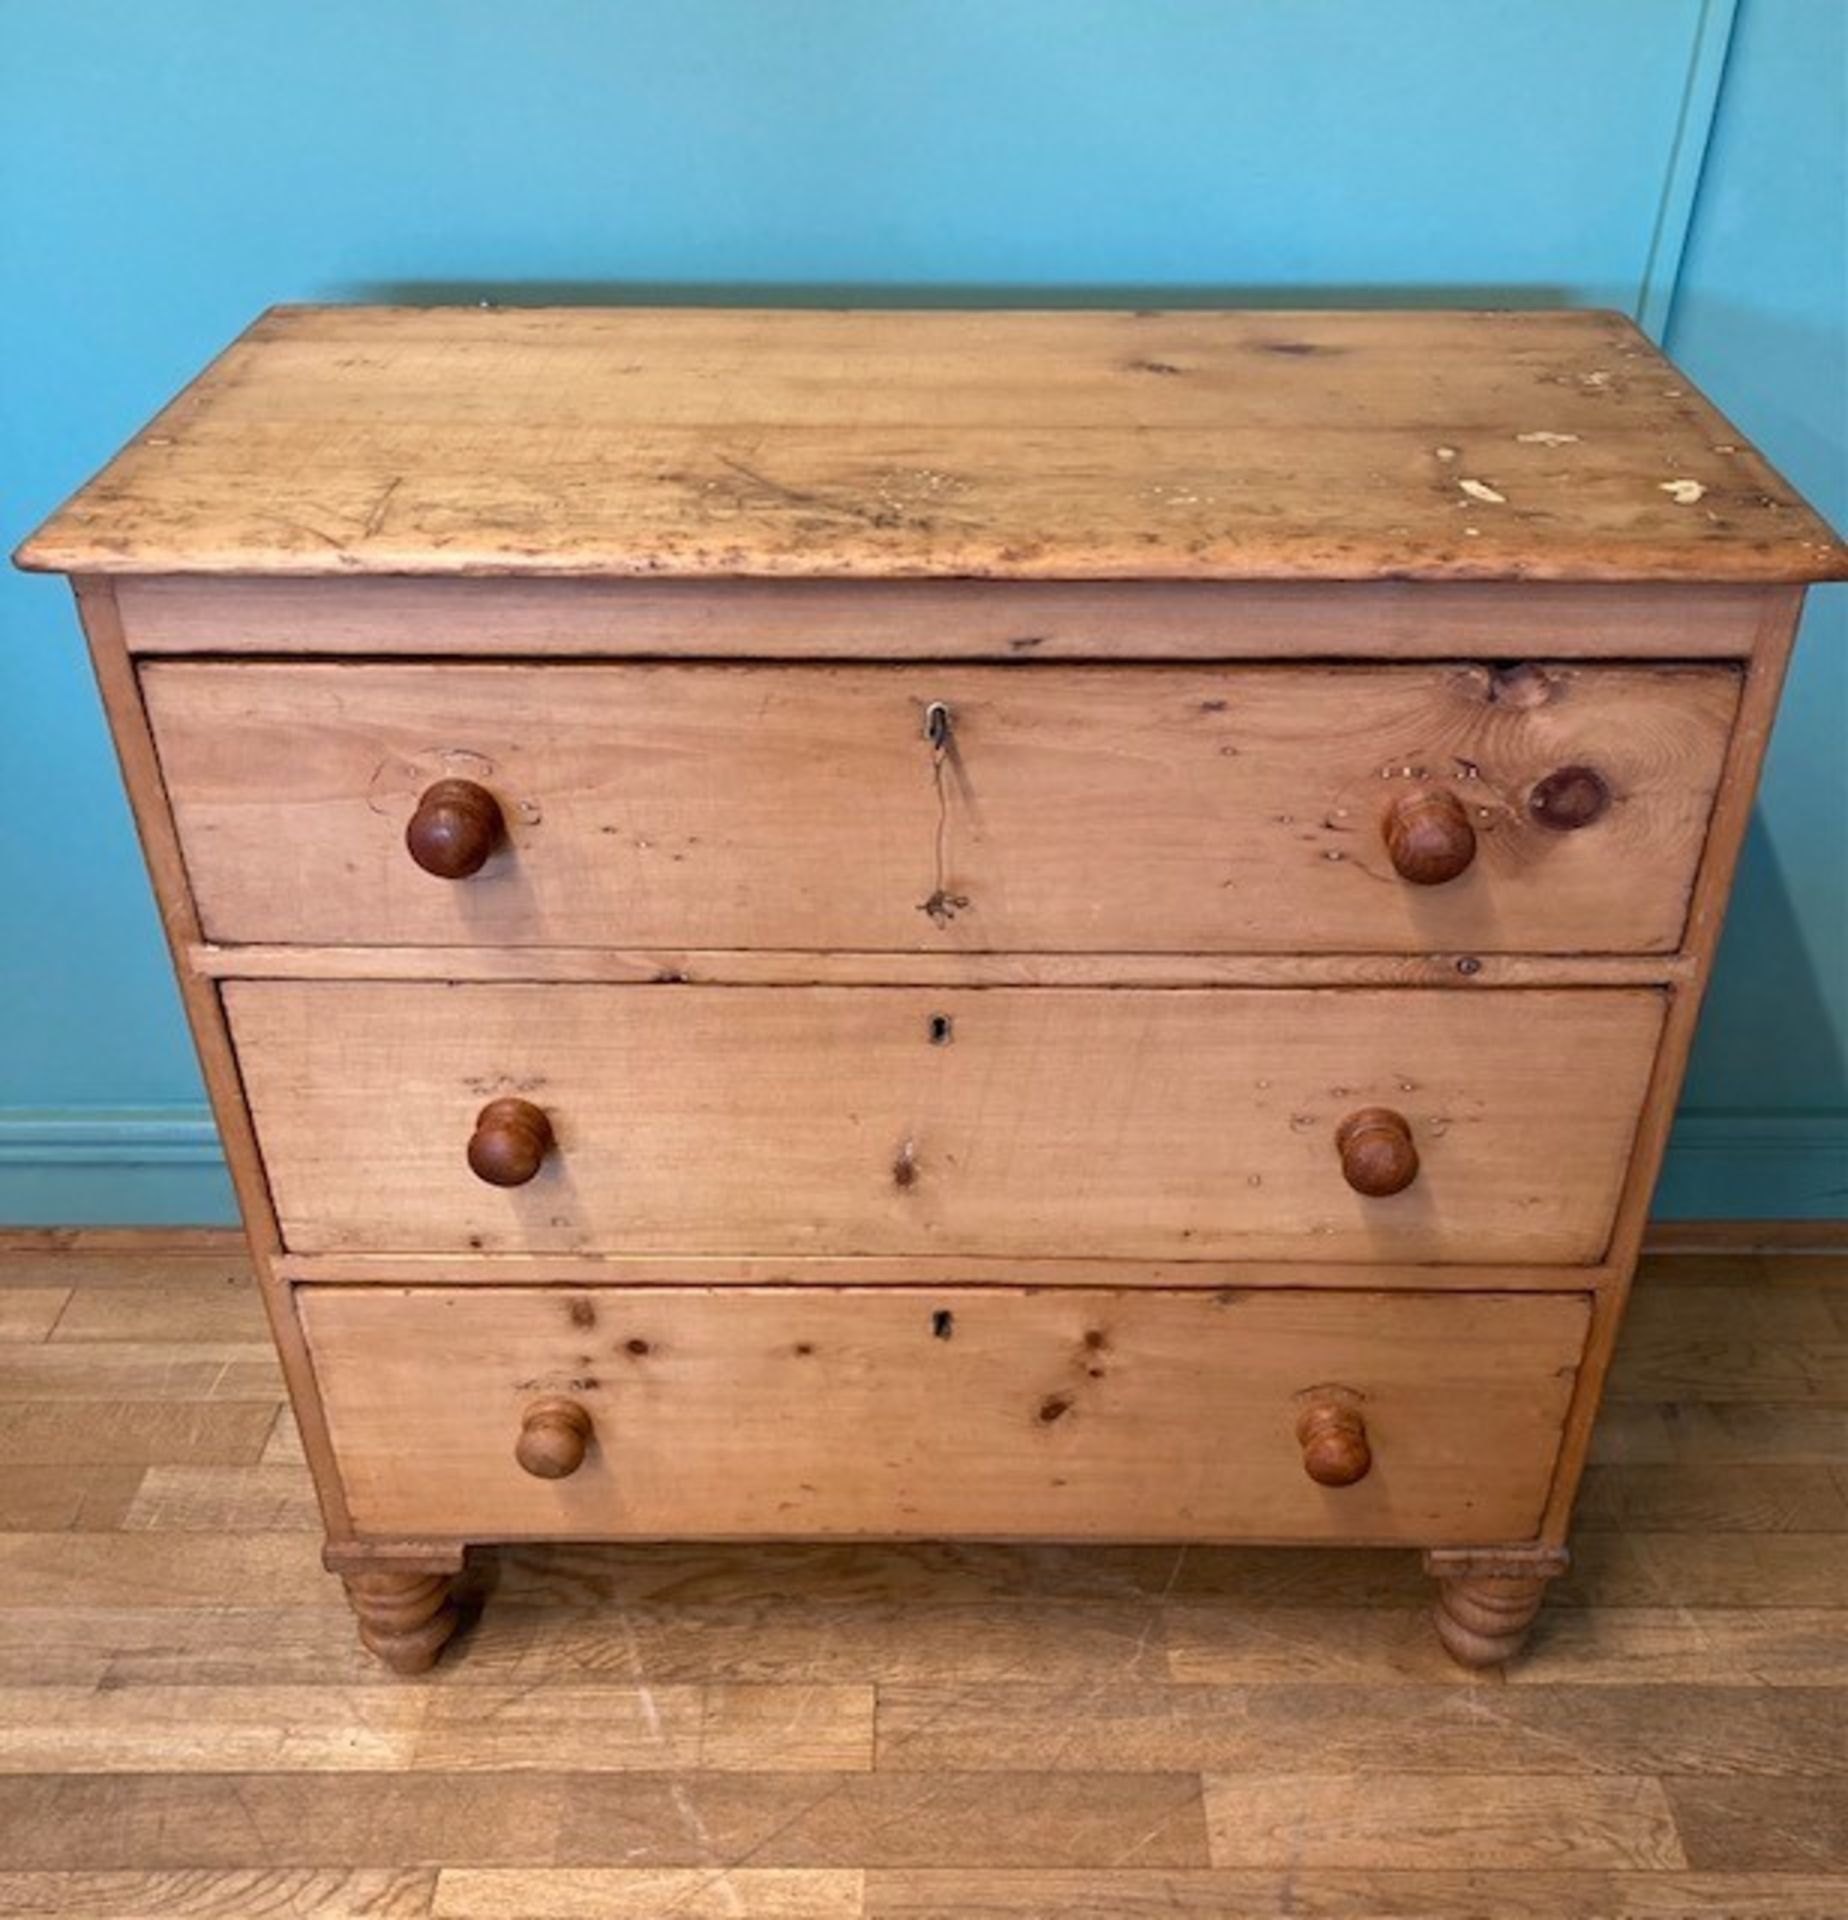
(874, 1643)
(115, 1370)
(1454, 1731)
(153, 1821)
(1723, 1433)
(1231, 1893)
(281, 1729)
(910, 1731)
(29, 1313)
(268, 1893)
(647, 1893)
(1767, 1646)
(1334, 1646)
(1705, 1570)
(220, 1646)
(77, 1433)
(1667, 1498)
(1761, 1825)
(139, 1258)
(283, 1447)
(53, 1499)
(1756, 1269)
(162, 1570)
(222, 1306)
(1411, 1820)
(262, 1499)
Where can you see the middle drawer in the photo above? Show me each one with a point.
(1119, 1123)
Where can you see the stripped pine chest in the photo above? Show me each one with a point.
(999, 925)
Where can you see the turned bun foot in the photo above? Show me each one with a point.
(1483, 1622)
(1487, 1598)
(404, 1617)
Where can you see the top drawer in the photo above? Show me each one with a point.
(918, 808)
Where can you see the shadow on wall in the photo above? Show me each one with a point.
(1772, 996)
(1768, 1023)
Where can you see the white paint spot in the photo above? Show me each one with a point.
(1445, 453)
(1547, 439)
(1481, 490)
(1594, 379)
(1684, 493)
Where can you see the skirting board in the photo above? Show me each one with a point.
(112, 1166)
(160, 1166)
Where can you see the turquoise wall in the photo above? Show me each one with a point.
(166, 170)
(1760, 318)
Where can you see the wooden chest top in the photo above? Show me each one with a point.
(341, 441)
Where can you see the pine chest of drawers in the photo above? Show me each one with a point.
(994, 925)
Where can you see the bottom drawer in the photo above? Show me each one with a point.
(1065, 1414)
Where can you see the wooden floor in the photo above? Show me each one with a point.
(187, 1726)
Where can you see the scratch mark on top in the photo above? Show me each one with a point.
(1481, 490)
(382, 505)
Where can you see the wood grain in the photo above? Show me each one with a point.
(1627, 1646)
(276, 1894)
(644, 1893)
(316, 1729)
(1792, 1827)
(56, 1499)
(1328, 1893)
(140, 765)
(742, 966)
(1044, 620)
(1134, 1415)
(1174, 810)
(1407, 1820)
(30, 1313)
(617, 1268)
(1706, 913)
(708, 1120)
(100, 1433)
(1699, 1498)
(116, 1371)
(1309, 1678)
(1008, 445)
(1354, 1735)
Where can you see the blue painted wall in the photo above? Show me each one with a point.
(165, 171)
(1760, 318)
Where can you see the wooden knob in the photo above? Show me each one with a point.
(1428, 836)
(554, 1438)
(510, 1142)
(1378, 1154)
(1333, 1438)
(456, 826)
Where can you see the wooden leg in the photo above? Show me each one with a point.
(406, 1611)
(1486, 1602)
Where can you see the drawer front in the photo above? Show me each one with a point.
(1004, 1121)
(972, 1411)
(1160, 809)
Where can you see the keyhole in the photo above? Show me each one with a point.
(937, 725)
(940, 1029)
